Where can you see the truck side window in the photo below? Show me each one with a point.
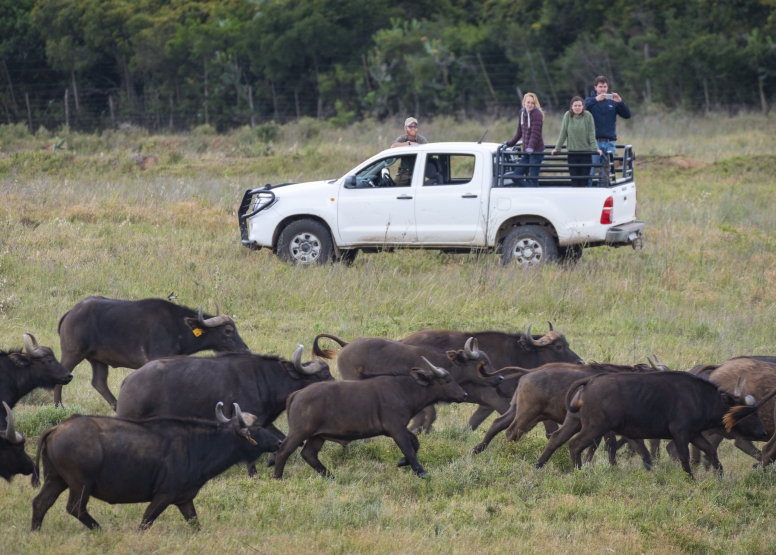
(449, 169)
(395, 171)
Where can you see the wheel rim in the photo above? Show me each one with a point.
(527, 252)
(305, 248)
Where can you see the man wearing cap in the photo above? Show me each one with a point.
(410, 137)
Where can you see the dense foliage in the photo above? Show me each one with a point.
(181, 63)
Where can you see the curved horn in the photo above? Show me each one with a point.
(239, 415)
(220, 413)
(550, 323)
(737, 390)
(200, 316)
(11, 435)
(31, 345)
(471, 353)
(438, 372)
(529, 337)
(653, 364)
(216, 320)
(217, 310)
(297, 359)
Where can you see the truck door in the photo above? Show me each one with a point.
(380, 208)
(449, 205)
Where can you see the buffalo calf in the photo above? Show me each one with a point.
(13, 459)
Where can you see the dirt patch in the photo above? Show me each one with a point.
(144, 161)
(681, 162)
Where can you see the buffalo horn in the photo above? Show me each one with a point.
(11, 435)
(550, 324)
(200, 316)
(737, 390)
(239, 415)
(31, 345)
(438, 372)
(220, 414)
(216, 320)
(471, 353)
(298, 363)
(529, 337)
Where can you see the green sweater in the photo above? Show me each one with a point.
(580, 131)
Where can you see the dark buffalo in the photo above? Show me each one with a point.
(468, 366)
(758, 376)
(380, 405)
(190, 386)
(663, 405)
(13, 459)
(22, 371)
(540, 397)
(163, 461)
(524, 350)
(128, 334)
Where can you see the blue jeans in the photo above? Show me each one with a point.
(604, 146)
(522, 168)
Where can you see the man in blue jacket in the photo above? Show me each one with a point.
(605, 108)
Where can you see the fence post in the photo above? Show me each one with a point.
(112, 113)
(67, 109)
(29, 112)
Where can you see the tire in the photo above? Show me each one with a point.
(348, 256)
(529, 246)
(305, 243)
(570, 254)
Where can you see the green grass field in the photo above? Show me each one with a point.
(89, 221)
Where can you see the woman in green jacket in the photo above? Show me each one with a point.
(579, 129)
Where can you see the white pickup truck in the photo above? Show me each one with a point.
(455, 197)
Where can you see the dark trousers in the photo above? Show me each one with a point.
(579, 172)
(522, 168)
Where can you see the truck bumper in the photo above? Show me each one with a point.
(625, 234)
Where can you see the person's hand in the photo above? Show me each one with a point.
(554, 152)
(600, 97)
(409, 143)
(504, 144)
(529, 150)
(599, 152)
(616, 97)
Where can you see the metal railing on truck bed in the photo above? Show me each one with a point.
(555, 171)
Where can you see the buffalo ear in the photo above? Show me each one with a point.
(728, 399)
(423, 377)
(193, 324)
(19, 359)
(457, 357)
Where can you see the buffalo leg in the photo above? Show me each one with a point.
(403, 438)
(683, 452)
(523, 423)
(570, 427)
(594, 447)
(710, 450)
(769, 451)
(641, 449)
(654, 448)
(310, 454)
(189, 512)
(100, 381)
(271, 459)
(51, 490)
(152, 512)
(479, 416)
(415, 446)
(423, 421)
(499, 425)
(288, 446)
(69, 361)
(76, 506)
(748, 447)
(580, 442)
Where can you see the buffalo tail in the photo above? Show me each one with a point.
(573, 397)
(326, 353)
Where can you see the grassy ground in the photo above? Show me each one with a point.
(90, 221)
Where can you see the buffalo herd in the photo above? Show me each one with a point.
(164, 443)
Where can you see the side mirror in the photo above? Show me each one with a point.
(350, 182)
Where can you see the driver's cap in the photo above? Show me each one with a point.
(409, 121)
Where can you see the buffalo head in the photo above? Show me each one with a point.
(218, 333)
(440, 379)
(475, 366)
(13, 459)
(550, 347)
(40, 362)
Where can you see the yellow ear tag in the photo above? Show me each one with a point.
(197, 332)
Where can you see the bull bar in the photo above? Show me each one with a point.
(264, 198)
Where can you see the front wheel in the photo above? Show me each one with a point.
(305, 242)
(528, 246)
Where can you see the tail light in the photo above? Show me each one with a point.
(606, 214)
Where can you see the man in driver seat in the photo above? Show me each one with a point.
(409, 138)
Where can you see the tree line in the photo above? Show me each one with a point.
(175, 64)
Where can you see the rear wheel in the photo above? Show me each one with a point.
(528, 246)
(305, 242)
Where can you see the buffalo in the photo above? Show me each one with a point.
(163, 461)
(128, 334)
(524, 350)
(190, 386)
(468, 366)
(375, 405)
(540, 397)
(22, 371)
(663, 405)
(13, 459)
